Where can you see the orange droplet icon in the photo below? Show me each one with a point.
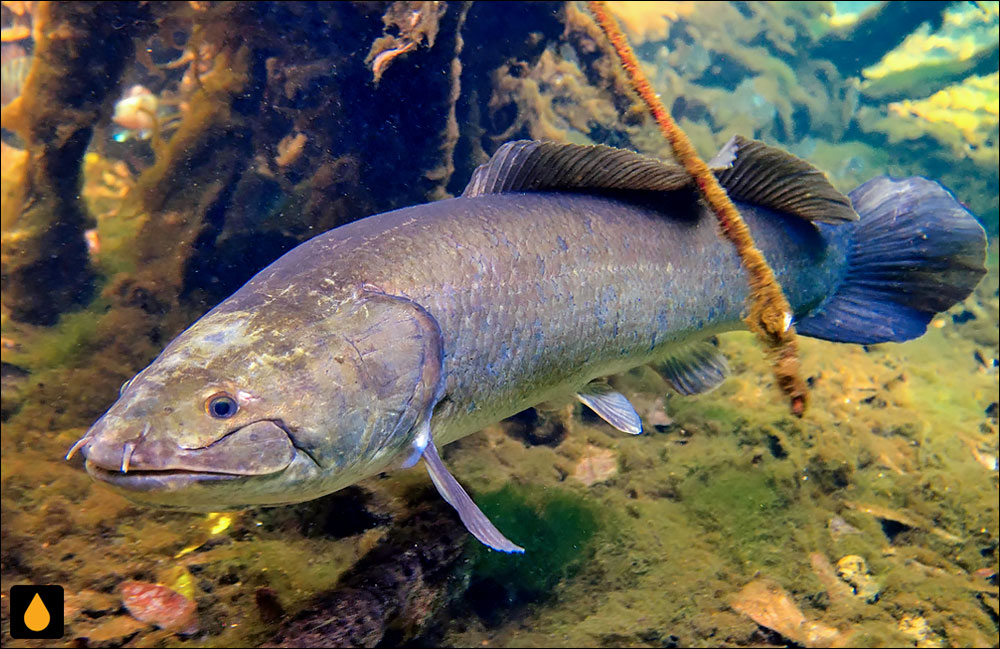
(36, 617)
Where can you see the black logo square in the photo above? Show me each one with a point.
(36, 612)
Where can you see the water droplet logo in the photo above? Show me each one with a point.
(37, 616)
(36, 612)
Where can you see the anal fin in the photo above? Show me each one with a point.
(472, 517)
(611, 406)
(695, 368)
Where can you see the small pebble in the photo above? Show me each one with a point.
(159, 605)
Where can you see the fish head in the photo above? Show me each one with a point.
(264, 407)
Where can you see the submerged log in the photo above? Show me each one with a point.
(81, 51)
(395, 594)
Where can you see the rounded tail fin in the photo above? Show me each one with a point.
(915, 252)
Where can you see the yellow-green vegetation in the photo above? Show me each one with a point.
(66, 344)
(966, 39)
(747, 512)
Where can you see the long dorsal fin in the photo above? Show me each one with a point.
(528, 165)
(749, 170)
(767, 176)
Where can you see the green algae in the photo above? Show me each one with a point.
(747, 509)
(65, 344)
(556, 528)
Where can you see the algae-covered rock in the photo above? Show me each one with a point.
(394, 594)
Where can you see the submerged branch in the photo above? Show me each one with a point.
(81, 51)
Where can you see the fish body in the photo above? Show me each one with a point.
(362, 348)
(537, 294)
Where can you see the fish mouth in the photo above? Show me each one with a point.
(155, 480)
(257, 449)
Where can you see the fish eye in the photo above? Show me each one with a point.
(221, 406)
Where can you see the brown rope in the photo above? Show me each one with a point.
(770, 314)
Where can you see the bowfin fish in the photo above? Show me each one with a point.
(375, 344)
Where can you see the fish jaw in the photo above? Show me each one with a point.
(140, 465)
(214, 492)
(258, 448)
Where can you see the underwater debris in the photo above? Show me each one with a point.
(769, 605)
(917, 628)
(907, 520)
(854, 571)
(268, 605)
(414, 23)
(657, 414)
(290, 149)
(16, 63)
(597, 465)
(985, 455)
(140, 114)
(835, 587)
(215, 523)
(114, 631)
(210, 142)
(45, 266)
(136, 110)
(840, 528)
(395, 591)
(543, 424)
(160, 605)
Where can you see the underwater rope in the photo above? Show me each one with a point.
(770, 313)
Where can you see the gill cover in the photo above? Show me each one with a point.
(390, 370)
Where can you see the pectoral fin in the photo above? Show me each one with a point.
(611, 406)
(419, 444)
(474, 519)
